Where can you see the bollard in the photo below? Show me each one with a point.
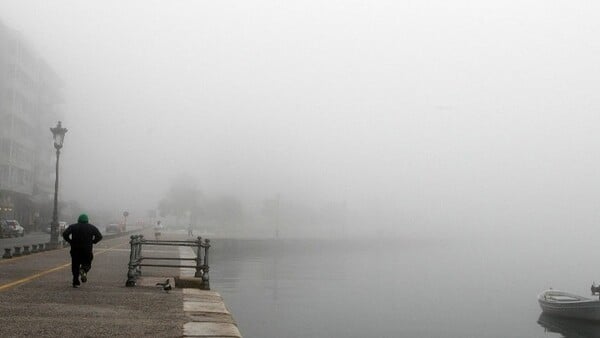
(26, 250)
(7, 253)
(34, 248)
(41, 247)
(17, 251)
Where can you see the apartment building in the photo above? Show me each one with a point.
(30, 103)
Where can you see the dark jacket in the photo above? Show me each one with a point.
(82, 236)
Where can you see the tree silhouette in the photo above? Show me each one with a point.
(182, 199)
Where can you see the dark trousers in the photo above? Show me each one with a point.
(80, 259)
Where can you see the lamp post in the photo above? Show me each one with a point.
(58, 133)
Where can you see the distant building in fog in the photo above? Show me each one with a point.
(30, 100)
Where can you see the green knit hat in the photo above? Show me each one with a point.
(83, 218)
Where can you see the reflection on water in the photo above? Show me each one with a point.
(570, 328)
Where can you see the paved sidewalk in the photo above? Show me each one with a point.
(37, 299)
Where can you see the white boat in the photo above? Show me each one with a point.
(565, 304)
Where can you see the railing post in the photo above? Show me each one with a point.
(198, 257)
(205, 284)
(131, 275)
(138, 259)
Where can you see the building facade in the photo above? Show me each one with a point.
(30, 103)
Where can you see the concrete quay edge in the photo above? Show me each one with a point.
(207, 313)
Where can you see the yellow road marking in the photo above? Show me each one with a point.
(32, 277)
(40, 274)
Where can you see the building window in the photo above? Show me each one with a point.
(3, 174)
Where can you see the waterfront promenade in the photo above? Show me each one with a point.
(37, 299)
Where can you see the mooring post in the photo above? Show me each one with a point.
(198, 257)
(26, 250)
(131, 271)
(17, 251)
(7, 253)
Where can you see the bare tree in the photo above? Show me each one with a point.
(182, 199)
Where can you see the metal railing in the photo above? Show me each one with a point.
(136, 260)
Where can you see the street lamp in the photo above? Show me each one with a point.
(58, 133)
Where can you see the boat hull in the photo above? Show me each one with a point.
(563, 304)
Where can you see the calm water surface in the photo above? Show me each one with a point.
(395, 288)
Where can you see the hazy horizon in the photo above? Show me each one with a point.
(425, 118)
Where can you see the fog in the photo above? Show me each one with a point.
(416, 118)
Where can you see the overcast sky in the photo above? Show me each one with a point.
(423, 115)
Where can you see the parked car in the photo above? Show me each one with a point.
(15, 228)
(115, 228)
(4, 228)
(61, 227)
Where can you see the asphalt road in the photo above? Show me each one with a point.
(37, 299)
(28, 239)
(39, 237)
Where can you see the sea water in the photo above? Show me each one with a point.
(400, 288)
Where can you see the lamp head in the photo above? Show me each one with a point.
(58, 133)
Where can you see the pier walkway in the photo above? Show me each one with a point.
(37, 299)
